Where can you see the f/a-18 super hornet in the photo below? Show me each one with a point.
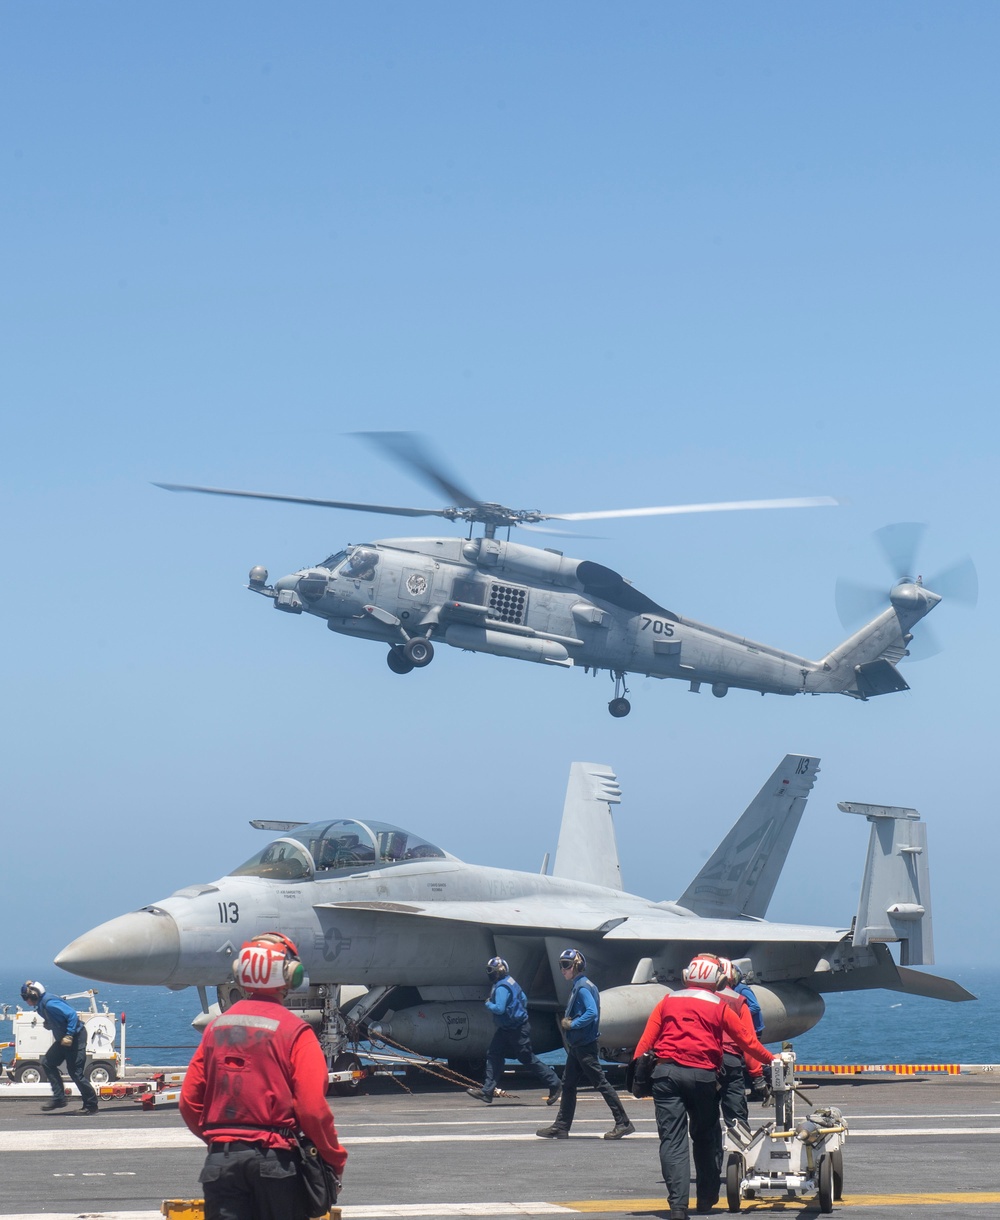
(375, 905)
(489, 594)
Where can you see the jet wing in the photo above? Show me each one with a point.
(652, 926)
(521, 916)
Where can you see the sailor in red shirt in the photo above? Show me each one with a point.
(258, 1077)
(686, 1031)
(733, 1095)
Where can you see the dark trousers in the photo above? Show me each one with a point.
(252, 1182)
(733, 1097)
(583, 1061)
(514, 1044)
(75, 1059)
(688, 1098)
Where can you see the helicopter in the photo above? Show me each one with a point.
(487, 594)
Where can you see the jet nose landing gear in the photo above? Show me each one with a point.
(619, 705)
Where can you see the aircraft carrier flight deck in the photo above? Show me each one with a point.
(918, 1146)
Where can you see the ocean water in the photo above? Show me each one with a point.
(859, 1027)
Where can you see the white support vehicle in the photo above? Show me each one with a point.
(787, 1157)
(31, 1040)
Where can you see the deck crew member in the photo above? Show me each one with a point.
(735, 1068)
(581, 1029)
(512, 1040)
(259, 1076)
(686, 1031)
(69, 1047)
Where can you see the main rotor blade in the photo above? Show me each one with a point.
(899, 543)
(857, 603)
(361, 508)
(406, 449)
(720, 507)
(959, 583)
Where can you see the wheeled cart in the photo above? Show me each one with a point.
(787, 1157)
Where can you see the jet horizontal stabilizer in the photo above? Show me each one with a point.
(914, 982)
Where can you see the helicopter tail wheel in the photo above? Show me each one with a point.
(619, 708)
(419, 651)
(398, 661)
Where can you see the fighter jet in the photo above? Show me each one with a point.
(372, 904)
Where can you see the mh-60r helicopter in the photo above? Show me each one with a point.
(488, 594)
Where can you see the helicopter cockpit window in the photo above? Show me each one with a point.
(333, 561)
(282, 860)
(361, 563)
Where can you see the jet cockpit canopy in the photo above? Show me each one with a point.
(342, 846)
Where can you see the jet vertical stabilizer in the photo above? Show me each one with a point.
(587, 850)
(740, 877)
(895, 902)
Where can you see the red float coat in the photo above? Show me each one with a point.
(688, 1028)
(260, 1066)
(742, 1009)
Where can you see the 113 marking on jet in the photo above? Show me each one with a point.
(488, 594)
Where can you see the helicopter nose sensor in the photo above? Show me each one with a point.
(258, 577)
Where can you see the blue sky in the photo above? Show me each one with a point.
(601, 256)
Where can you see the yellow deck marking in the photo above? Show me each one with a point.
(981, 1197)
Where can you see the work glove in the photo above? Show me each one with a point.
(787, 1057)
(759, 1090)
(67, 1041)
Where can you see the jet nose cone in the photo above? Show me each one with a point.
(141, 947)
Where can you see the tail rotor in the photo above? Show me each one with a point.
(900, 544)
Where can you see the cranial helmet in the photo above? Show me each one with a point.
(268, 962)
(31, 992)
(574, 957)
(705, 970)
(728, 971)
(497, 968)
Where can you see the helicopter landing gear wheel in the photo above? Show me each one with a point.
(398, 661)
(734, 1176)
(619, 705)
(419, 651)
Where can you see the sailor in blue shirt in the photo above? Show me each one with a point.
(512, 1040)
(581, 1029)
(69, 1047)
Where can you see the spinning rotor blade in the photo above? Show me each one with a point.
(899, 544)
(858, 603)
(406, 449)
(722, 506)
(261, 495)
(959, 583)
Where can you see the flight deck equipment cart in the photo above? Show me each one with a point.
(787, 1157)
